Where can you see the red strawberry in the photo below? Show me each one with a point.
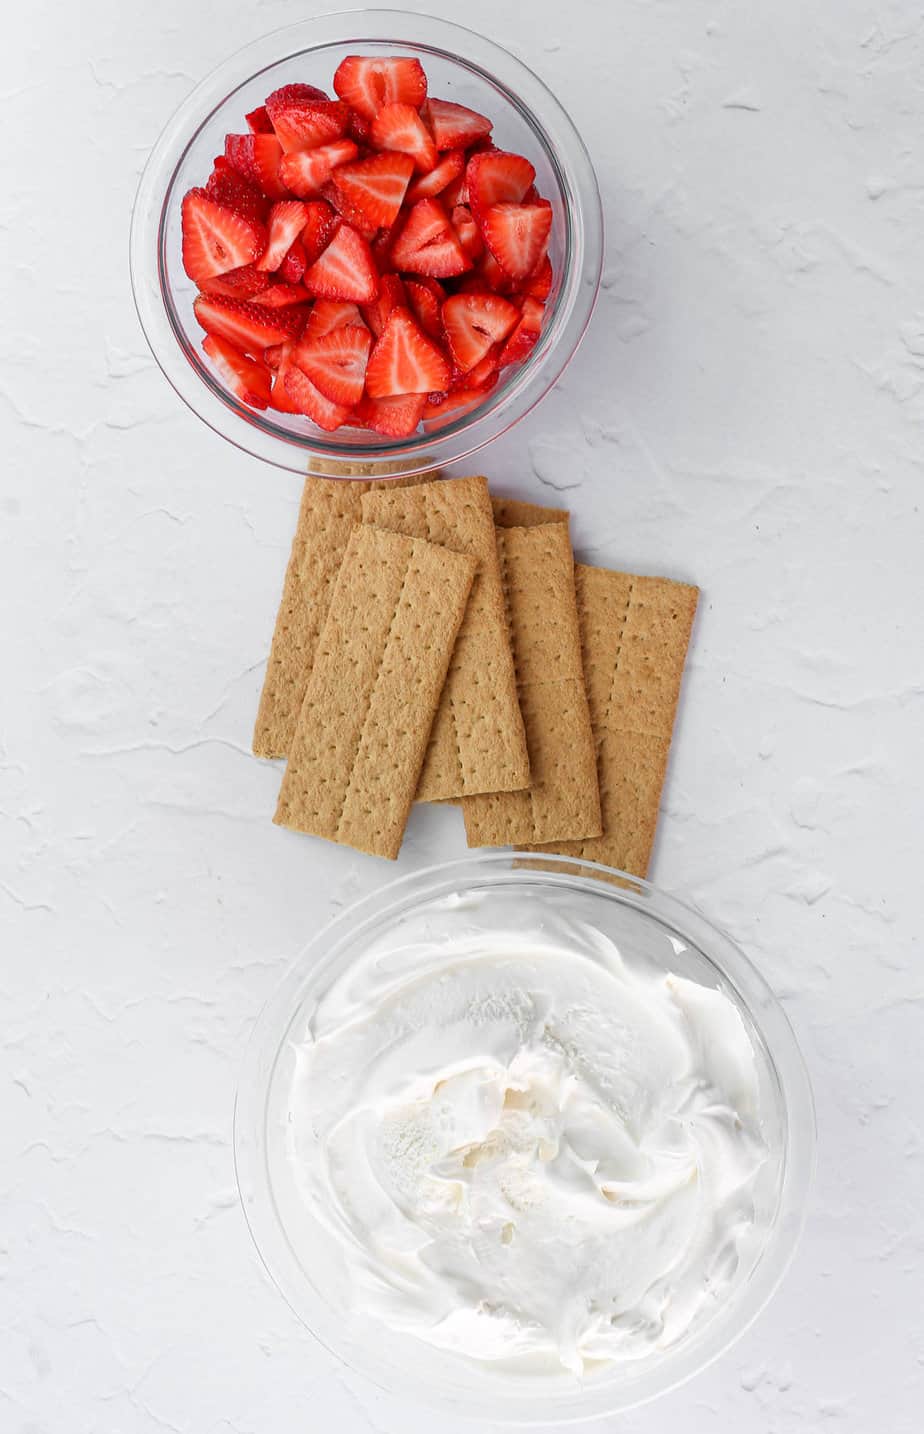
(305, 170)
(399, 127)
(475, 322)
(231, 189)
(404, 360)
(336, 362)
(455, 127)
(280, 398)
(483, 375)
(394, 417)
(248, 379)
(375, 187)
(258, 121)
(455, 193)
(216, 239)
(305, 398)
(518, 236)
(468, 231)
(237, 283)
(428, 243)
(381, 248)
(303, 121)
(286, 221)
(328, 314)
(246, 325)
(449, 168)
(256, 157)
(283, 296)
(426, 298)
(522, 339)
(272, 356)
(451, 405)
(493, 275)
(294, 264)
(339, 202)
(495, 177)
(345, 270)
(539, 285)
(391, 296)
(368, 82)
(360, 128)
(318, 230)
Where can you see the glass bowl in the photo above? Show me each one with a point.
(460, 66)
(649, 927)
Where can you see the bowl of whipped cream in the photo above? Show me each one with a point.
(524, 1139)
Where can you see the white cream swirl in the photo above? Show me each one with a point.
(529, 1150)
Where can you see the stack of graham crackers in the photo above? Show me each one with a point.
(435, 644)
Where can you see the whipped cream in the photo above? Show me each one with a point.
(527, 1147)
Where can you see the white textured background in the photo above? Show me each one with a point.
(747, 413)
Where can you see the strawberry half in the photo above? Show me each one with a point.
(215, 238)
(248, 379)
(375, 187)
(450, 167)
(394, 417)
(496, 177)
(318, 230)
(473, 323)
(246, 325)
(450, 405)
(328, 314)
(283, 296)
(518, 236)
(304, 121)
(391, 296)
(226, 186)
(258, 121)
(305, 398)
(399, 127)
(468, 231)
(428, 244)
(426, 297)
(368, 82)
(404, 360)
(303, 171)
(336, 362)
(539, 285)
(455, 127)
(237, 283)
(294, 264)
(522, 340)
(256, 157)
(345, 270)
(286, 222)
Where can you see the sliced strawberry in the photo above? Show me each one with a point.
(306, 120)
(518, 236)
(286, 221)
(247, 378)
(304, 171)
(449, 168)
(336, 362)
(496, 177)
(216, 239)
(368, 82)
(539, 285)
(237, 283)
(455, 193)
(451, 405)
(393, 417)
(473, 323)
(342, 206)
(283, 296)
(318, 230)
(345, 270)
(468, 231)
(404, 360)
(381, 248)
(246, 325)
(483, 375)
(399, 127)
(455, 127)
(493, 275)
(307, 399)
(391, 296)
(272, 356)
(426, 298)
(375, 187)
(522, 339)
(226, 186)
(293, 266)
(328, 314)
(256, 157)
(280, 398)
(428, 244)
(360, 128)
(258, 121)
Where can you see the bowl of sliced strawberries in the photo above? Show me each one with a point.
(370, 238)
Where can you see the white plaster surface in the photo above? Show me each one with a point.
(747, 413)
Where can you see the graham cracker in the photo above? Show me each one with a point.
(329, 509)
(478, 742)
(374, 687)
(517, 513)
(537, 571)
(635, 632)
